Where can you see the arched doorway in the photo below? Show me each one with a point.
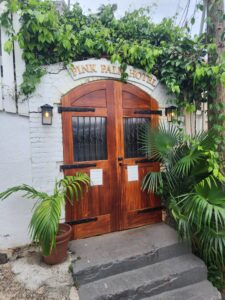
(100, 136)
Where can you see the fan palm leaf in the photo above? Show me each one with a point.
(158, 142)
(153, 182)
(187, 162)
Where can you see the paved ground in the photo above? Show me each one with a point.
(26, 277)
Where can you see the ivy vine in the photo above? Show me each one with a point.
(164, 49)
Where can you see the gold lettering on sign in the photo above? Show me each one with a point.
(103, 69)
(93, 69)
(110, 69)
(151, 80)
(139, 75)
(85, 69)
(75, 70)
(116, 70)
(131, 73)
(143, 77)
(88, 68)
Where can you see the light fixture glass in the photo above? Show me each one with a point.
(171, 113)
(47, 114)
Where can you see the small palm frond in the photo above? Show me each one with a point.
(30, 192)
(152, 182)
(210, 181)
(44, 223)
(212, 245)
(216, 276)
(183, 226)
(170, 181)
(206, 139)
(73, 185)
(159, 142)
(184, 165)
(45, 220)
(145, 139)
(205, 207)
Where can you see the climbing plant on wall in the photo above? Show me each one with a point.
(163, 49)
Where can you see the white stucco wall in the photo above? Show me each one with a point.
(15, 168)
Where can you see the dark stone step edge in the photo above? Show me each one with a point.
(147, 289)
(98, 272)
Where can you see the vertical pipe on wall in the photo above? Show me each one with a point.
(1, 73)
(14, 73)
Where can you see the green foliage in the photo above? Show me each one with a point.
(191, 185)
(216, 277)
(164, 49)
(46, 215)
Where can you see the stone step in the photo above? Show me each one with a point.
(203, 290)
(114, 253)
(147, 281)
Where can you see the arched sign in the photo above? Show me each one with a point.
(104, 68)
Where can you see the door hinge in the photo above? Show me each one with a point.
(151, 209)
(75, 109)
(82, 221)
(77, 166)
(148, 112)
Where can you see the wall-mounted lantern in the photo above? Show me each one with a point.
(171, 113)
(47, 114)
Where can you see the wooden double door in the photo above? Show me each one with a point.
(101, 128)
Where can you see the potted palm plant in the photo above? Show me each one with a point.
(45, 228)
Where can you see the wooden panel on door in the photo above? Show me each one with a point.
(138, 207)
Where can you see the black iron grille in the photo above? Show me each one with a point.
(89, 138)
(132, 128)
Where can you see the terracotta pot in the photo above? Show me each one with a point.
(59, 253)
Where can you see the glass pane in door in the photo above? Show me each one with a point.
(89, 138)
(132, 128)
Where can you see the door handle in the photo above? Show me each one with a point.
(120, 158)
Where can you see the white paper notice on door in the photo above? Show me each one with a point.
(96, 177)
(132, 173)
